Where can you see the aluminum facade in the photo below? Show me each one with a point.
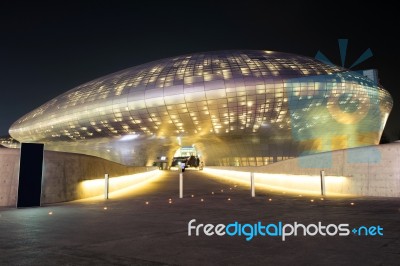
(239, 107)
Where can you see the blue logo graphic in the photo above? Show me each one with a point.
(343, 50)
(368, 231)
(335, 111)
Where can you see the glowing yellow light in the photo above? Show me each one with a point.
(105, 208)
(147, 203)
(229, 199)
(50, 213)
(312, 200)
(118, 186)
(269, 199)
(322, 198)
(298, 184)
(352, 203)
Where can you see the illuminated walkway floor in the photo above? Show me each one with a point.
(131, 232)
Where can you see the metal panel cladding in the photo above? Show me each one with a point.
(239, 107)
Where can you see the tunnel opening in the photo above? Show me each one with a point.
(188, 156)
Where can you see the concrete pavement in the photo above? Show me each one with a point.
(124, 230)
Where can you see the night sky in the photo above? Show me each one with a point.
(49, 47)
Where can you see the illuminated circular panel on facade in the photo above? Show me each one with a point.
(237, 107)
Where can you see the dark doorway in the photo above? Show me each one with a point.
(30, 175)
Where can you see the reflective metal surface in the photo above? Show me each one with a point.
(236, 107)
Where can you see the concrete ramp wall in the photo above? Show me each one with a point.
(62, 175)
(9, 173)
(364, 171)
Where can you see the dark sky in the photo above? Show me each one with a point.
(49, 47)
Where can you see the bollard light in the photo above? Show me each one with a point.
(322, 177)
(106, 186)
(252, 185)
(180, 185)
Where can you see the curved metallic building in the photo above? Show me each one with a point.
(235, 107)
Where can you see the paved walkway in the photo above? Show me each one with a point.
(131, 232)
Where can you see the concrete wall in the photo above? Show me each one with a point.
(62, 175)
(9, 171)
(367, 171)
